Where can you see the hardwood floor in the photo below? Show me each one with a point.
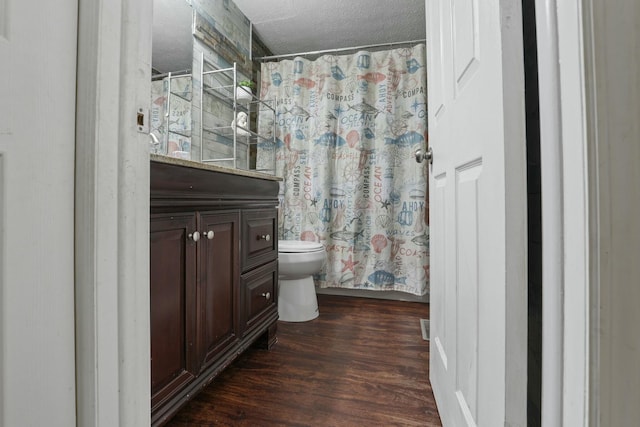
(363, 362)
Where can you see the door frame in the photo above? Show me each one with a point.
(576, 393)
(566, 212)
(552, 187)
(112, 220)
(577, 197)
(112, 213)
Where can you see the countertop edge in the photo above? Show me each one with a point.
(205, 166)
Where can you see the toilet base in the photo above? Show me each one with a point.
(297, 301)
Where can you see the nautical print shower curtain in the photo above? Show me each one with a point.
(346, 132)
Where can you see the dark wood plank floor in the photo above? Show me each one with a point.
(363, 362)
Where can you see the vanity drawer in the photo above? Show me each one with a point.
(260, 237)
(260, 294)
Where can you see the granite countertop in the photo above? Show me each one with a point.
(208, 166)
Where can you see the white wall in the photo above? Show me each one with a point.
(615, 229)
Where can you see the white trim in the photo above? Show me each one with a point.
(112, 214)
(552, 188)
(576, 214)
(592, 390)
(515, 160)
(363, 293)
(3, 251)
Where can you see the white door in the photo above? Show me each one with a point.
(478, 211)
(37, 142)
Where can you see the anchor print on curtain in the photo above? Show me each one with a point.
(347, 127)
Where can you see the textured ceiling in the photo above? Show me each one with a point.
(294, 26)
(172, 39)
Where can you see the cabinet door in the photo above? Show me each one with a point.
(173, 298)
(259, 237)
(218, 284)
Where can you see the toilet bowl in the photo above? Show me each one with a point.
(298, 261)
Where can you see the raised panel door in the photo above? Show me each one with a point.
(172, 304)
(218, 284)
(478, 205)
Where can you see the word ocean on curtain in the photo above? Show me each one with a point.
(346, 132)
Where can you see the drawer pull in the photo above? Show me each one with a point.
(195, 236)
(266, 295)
(210, 234)
(266, 237)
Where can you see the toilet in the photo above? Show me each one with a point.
(298, 261)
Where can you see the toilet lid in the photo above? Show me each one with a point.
(298, 246)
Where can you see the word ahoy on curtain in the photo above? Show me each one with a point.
(347, 127)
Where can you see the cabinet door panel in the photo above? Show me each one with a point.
(172, 310)
(218, 287)
(260, 238)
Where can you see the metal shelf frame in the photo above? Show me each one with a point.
(169, 76)
(227, 94)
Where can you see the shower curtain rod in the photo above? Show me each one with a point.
(317, 52)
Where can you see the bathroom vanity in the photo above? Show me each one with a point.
(214, 273)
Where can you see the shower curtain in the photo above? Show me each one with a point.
(346, 132)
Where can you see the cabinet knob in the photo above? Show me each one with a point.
(210, 234)
(266, 295)
(195, 236)
(266, 237)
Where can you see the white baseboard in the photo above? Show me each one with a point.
(388, 295)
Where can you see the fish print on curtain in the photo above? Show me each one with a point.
(346, 132)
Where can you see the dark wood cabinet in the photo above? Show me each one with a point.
(214, 278)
